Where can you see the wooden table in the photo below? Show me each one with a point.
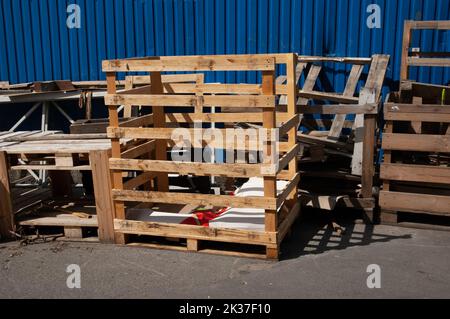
(57, 154)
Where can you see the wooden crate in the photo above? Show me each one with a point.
(42, 153)
(416, 168)
(252, 103)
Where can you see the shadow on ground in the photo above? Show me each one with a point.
(313, 234)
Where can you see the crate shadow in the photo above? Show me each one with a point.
(316, 236)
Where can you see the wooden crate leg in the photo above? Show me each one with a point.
(99, 161)
(73, 232)
(272, 253)
(6, 210)
(388, 217)
(192, 244)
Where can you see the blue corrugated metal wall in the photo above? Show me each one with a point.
(35, 43)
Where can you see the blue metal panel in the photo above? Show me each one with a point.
(35, 43)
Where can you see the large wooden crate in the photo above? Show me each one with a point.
(416, 142)
(250, 103)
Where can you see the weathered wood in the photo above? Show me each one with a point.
(414, 202)
(103, 198)
(415, 173)
(192, 63)
(416, 142)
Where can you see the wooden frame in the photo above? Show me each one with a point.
(431, 59)
(59, 154)
(415, 171)
(365, 107)
(243, 100)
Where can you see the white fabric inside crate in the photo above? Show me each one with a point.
(246, 218)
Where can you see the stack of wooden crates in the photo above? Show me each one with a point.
(249, 103)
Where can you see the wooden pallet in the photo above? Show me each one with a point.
(341, 157)
(155, 133)
(56, 154)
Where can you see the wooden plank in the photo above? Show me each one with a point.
(335, 97)
(415, 173)
(414, 202)
(194, 232)
(139, 150)
(192, 63)
(406, 41)
(349, 60)
(369, 108)
(50, 168)
(139, 121)
(416, 142)
(214, 117)
(139, 180)
(411, 112)
(368, 156)
(247, 101)
(286, 224)
(432, 24)
(128, 108)
(195, 199)
(350, 88)
(65, 221)
(310, 81)
(414, 61)
(196, 168)
(116, 177)
(159, 119)
(103, 199)
(6, 209)
(73, 232)
(288, 157)
(288, 190)
(171, 133)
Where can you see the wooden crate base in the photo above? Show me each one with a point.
(203, 246)
(415, 220)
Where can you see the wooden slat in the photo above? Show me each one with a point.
(250, 101)
(433, 24)
(66, 221)
(443, 62)
(414, 202)
(139, 150)
(139, 121)
(288, 189)
(51, 168)
(139, 180)
(214, 117)
(370, 108)
(328, 96)
(420, 113)
(195, 199)
(102, 190)
(288, 157)
(186, 168)
(415, 173)
(416, 142)
(194, 232)
(192, 63)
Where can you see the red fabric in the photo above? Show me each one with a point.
(203, 217)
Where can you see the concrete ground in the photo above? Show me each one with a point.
(316, 263)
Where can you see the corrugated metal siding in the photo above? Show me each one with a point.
(35, 43)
